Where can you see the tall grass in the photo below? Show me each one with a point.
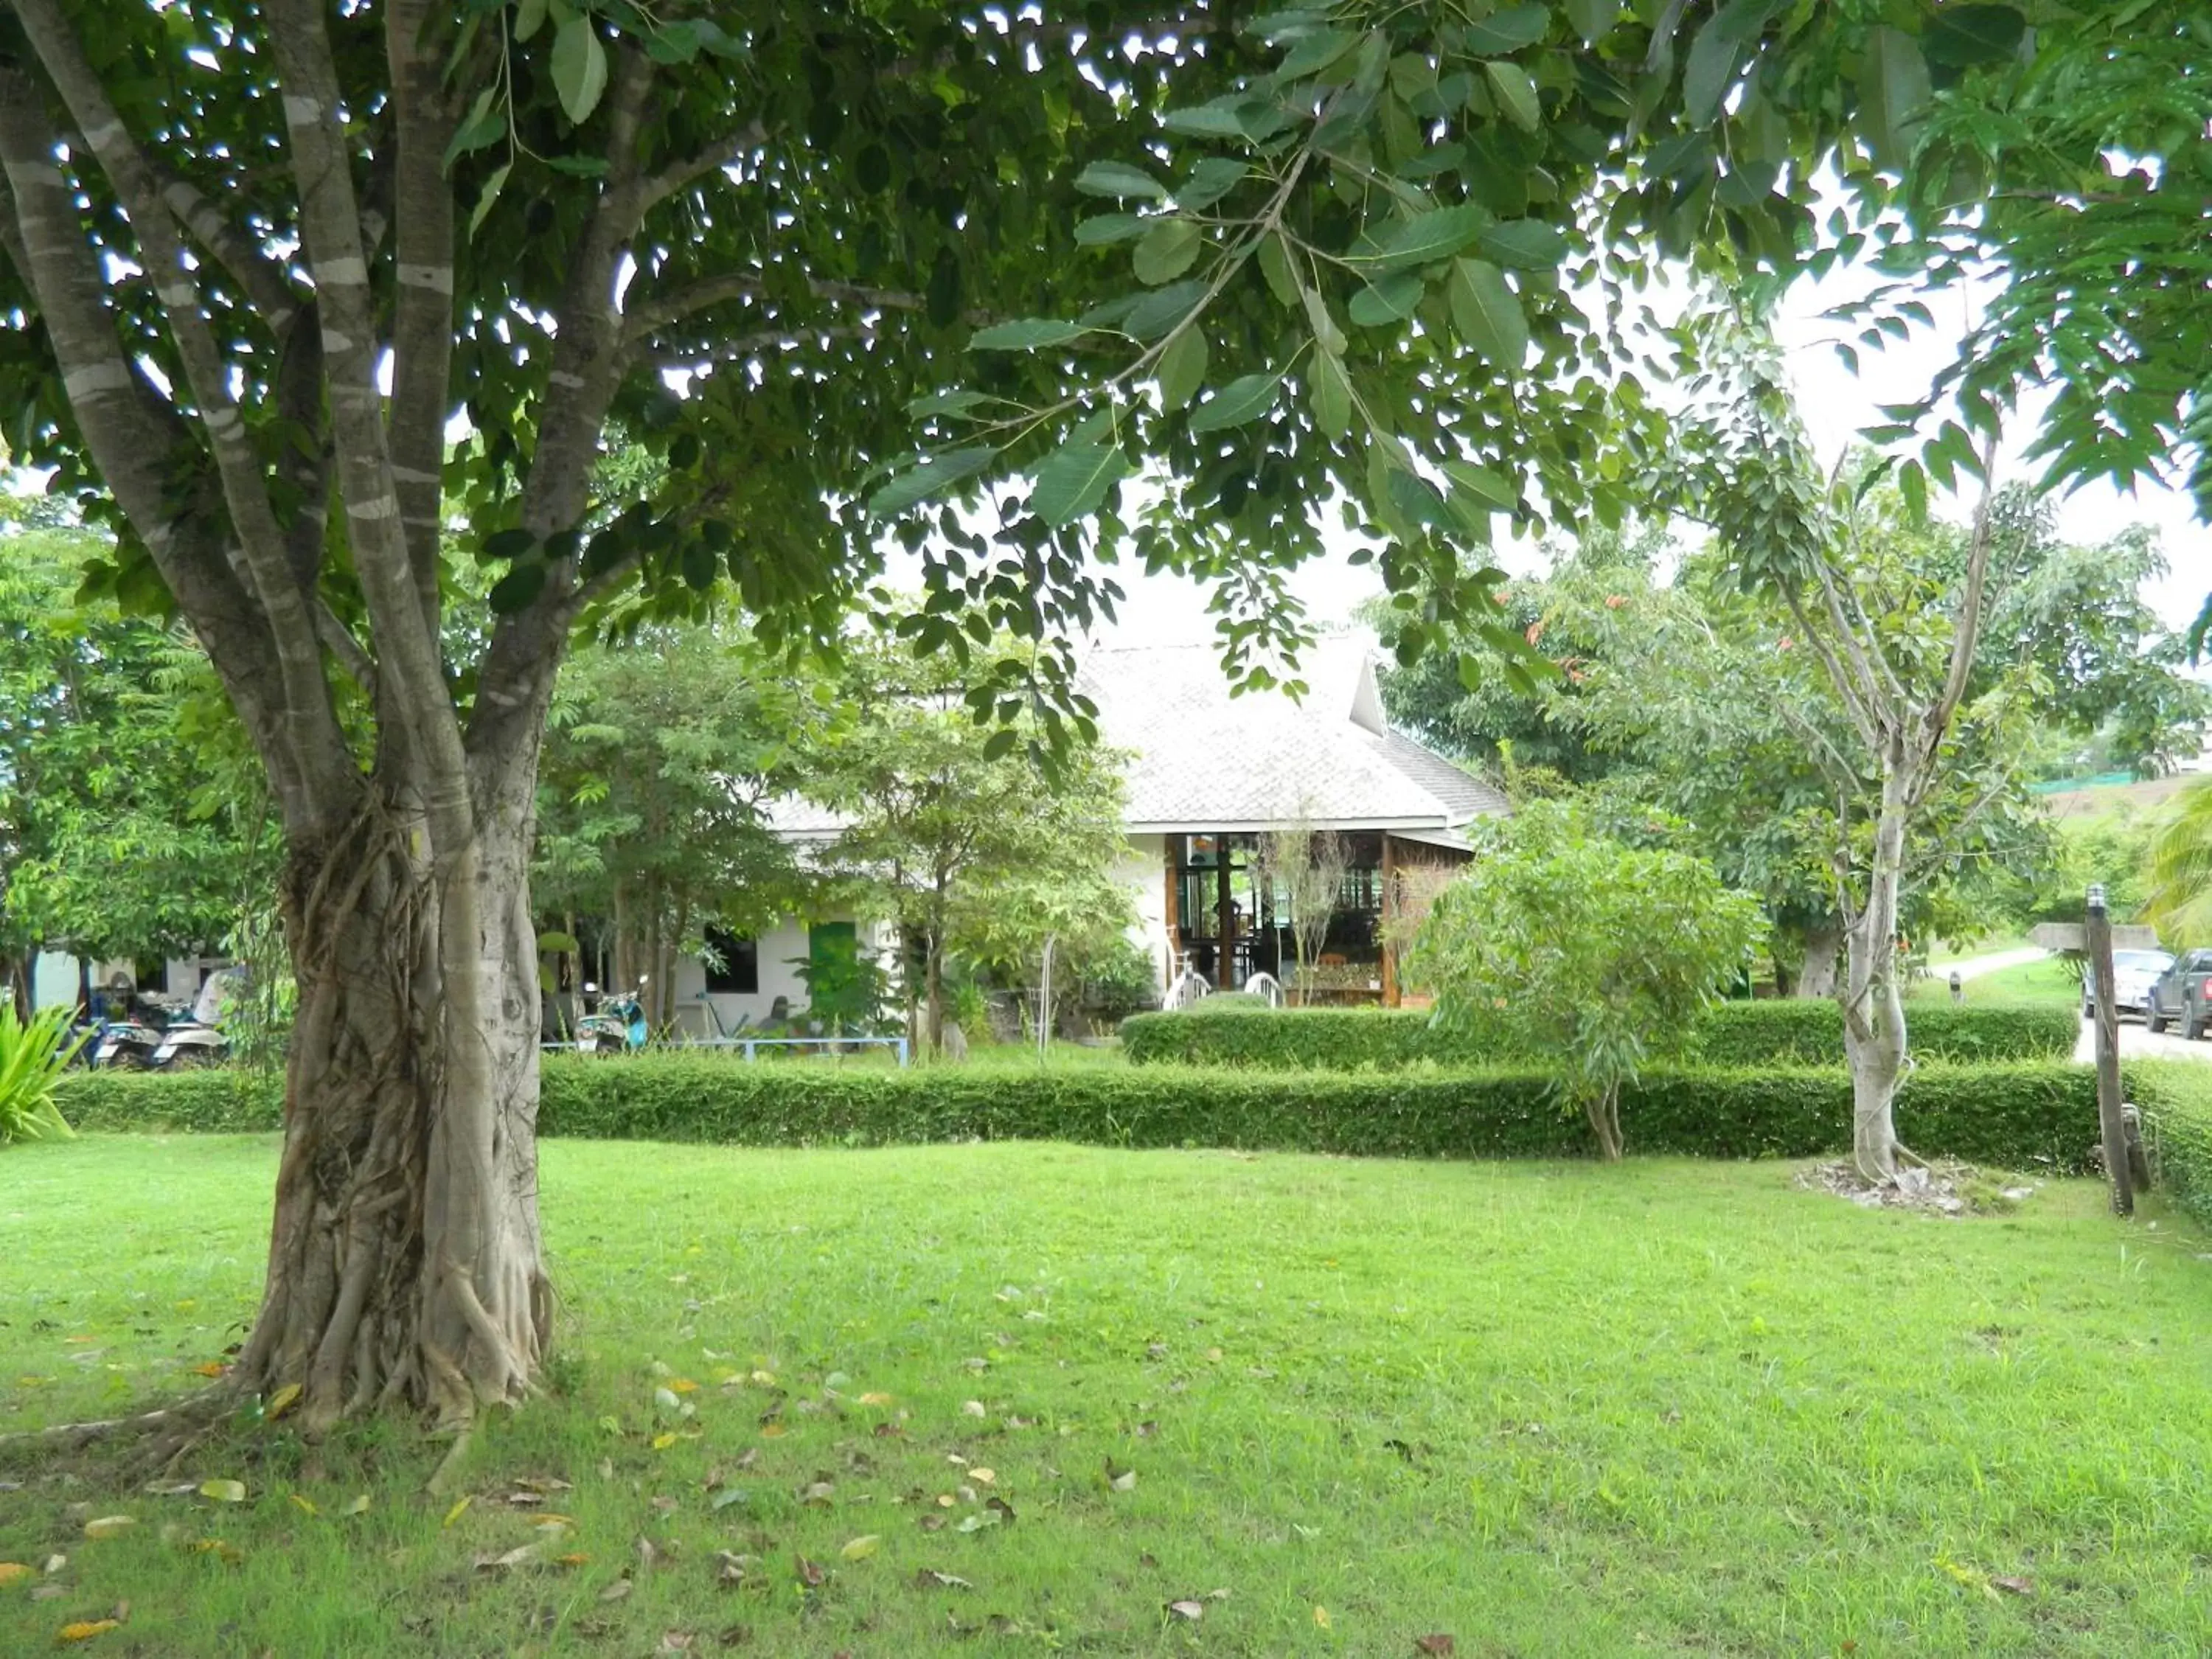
(32, 1057)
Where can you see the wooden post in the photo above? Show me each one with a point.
(2110, 1116)
(1174, 912)
(1389, 915)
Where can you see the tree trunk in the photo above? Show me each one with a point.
(1823, 944)
(933, 979)
(405, 1263)
(1873, 1009)
(1604, 1114)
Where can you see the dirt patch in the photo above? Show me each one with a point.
(1948, 1189)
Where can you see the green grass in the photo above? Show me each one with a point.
(2047, 981)
(1551, 1409)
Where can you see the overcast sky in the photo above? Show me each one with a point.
(1836, 404)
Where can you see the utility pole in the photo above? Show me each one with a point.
(2110, 1115)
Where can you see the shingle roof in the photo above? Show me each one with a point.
(1205, 760)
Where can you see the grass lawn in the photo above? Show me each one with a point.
(2047, 981)
(1666, 1408)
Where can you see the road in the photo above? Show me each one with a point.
(2136, 1042)
(1997, 963)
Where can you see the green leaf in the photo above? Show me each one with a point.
(1025, 334)
(1958, 37)
(1222, 118)
(1106, 227)
(578, 166)
(1119, 179)
(1506, 31)
(1391, 300)
(1593, 19)
(1893, 92)
(1491, 487)
(1209, 181)
(1161, 310)
(1426, 237)
(493, 186)
(1166, 251)
(580, 67)
(1324, 325)
(516, 590)
(486, 125)
(956, 402)
(999, 744)
(1275, 266)
(1331, 394)
(1182, 369)
(930, 478)
(1313, 53)
(512, 543)
(529, 18)
(1710, 67)
(1516, 93)
(1416, 498)
(1074, 479)
(1487, 313)
(1245, 399)
(673, 43)
(1524, 243)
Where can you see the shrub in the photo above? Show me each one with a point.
(1786, 1033)
(2038, 1113)
(2175, 1098)
(31, 1058)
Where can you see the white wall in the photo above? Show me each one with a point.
(782, 949)
(1142, 870)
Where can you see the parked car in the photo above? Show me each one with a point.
(2134, 972)
(2184, 994)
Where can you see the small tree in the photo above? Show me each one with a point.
(1583, 952)
(1307, 867)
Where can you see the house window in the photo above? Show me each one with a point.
(732, 963)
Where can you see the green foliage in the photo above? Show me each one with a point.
(1561, 943)
(2017, 1116)
(1119, 979)
(2175, 1098)
(1772, 1031)
(2179, 897)
(33, 1058)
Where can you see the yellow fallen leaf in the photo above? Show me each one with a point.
(281, 1402)
(85, 1630)
(109, 1526)
(1321, 1617)
(771, 1431)
(577, 1558)
(224, 1491)
(683, 1385)
(13, 1572)
(766, 1379)
(662, 1441)
(875, 1399)
(213, 1368)
(983, 1477)
(862, 1547)
(359, 1506)
(460, 1508)
(549, 1522)
(220, 1549)
(307, 1505)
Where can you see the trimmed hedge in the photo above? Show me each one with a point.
(2175, 1098)
(2032, 1113)
(1778, 1032)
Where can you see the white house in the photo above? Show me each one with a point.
(1209, 774)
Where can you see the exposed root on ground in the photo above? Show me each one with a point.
(188, 1420)
(1944, 1189)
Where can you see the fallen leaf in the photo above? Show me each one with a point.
(574, 1558)
(1000, 1507)
(663, 1441)
(281, 1402)
(53, 1563)
(615, 1591)
(820, 1492)
(973, 1408)
(1192, 1611)
(2014, 1586)
(1321, 1617)
(930, 1522)
(764, 1379)
(213, 1368)
(1119, 1479)
(110, 1526)
(47, 1592)
(861, 1548)
(730, 1495)
(511, 1559)
(930, 1579)
(875, 1398)
(683, 1385)
(986, 1476)
(224, 1491)
(809, 1575)
(460, 1508)
(359, 1506)
(13, 1572)
(1438, 1644)
(307, 1505)
(676, 1641)
(976, 1522)
(549, 1522)
(229, 1553)
(772, 1430)
(87, 1629)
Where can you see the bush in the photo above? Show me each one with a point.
(2039, 1113)
(1785, 1032)
(32, 1058)
(2175, 1098)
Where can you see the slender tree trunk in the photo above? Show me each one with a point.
(1823, 943)
(405, 1262)
(1873, 1009)
(1604, 1112)
(933, 979)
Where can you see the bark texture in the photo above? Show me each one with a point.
(1824, 945)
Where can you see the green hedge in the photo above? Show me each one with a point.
(2021, 1115)
(1782, 1032)
(2175, 1097)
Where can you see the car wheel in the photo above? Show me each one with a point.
(2192, 1023)
(2152, 1017)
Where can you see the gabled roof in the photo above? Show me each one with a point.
(1205, 761)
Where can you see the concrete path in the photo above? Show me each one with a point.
(1997, 961)
(2136, 1042)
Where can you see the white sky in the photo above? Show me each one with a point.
(1836, 405)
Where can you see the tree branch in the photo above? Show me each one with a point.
(1966, 632)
